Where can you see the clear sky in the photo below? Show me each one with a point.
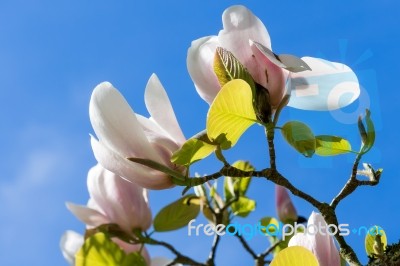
(53, 53)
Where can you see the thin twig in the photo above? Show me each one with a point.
(350, 185)
(179, 256)
(269, 250)
(246, 246)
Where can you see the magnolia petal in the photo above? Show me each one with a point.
(300, 239)
(284, 206)
(240, 26)
(141, 175)
(272, 75)
(155, 134)
(160, 109)
(90, 217)
(200, 61)
(70, 243)
(122, 201)
(328, 86)
(323, 244)
(115, 123)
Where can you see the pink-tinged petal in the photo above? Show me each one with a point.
(240, 26)
(120, 200)
(272, 76)
(328, 86)
(300, 239)
(90, 217)
(323, 244)
(200, 61)
(155, 134)
(141, 175)
(115, 123)
(70, 243)
(160, 109)
(284, 206)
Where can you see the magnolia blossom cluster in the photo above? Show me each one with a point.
(118, 186)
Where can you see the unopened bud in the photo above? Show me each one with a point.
(262, 104)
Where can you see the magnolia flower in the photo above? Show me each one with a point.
(71, 242)
(284, 206)
(327, 86)
(123, 134)
(113, 200)
(318, 241)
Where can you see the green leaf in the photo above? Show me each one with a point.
(176, 215)
(331, 145)
(271, 224)
(100, 250)
(227, 67)
(176, 176)
(237, 185)
(295, 256)
(300, 137)
(192, 151)
(243, 206)
(231, 113)
(370, 131)
(374, 240)
(367, 135)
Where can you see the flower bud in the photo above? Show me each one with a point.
(284, 206)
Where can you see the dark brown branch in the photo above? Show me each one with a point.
(350, 186)
(270, 132)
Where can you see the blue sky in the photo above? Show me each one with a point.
(53, 53)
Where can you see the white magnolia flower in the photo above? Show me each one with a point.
(123, 134)
(327, 86)
(321, 244)
(113, 200)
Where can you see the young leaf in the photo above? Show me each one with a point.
(238, 185)
(331, 145)
(370, 130)
(375, 241)
(231, 113)
(243, 206)
(176, 215)
(270, 226)
(367, 135)
(295, 256)
(192, 151)
(227, 67)
(100, 250)
(300, 137)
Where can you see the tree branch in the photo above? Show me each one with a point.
(246, 246)
(180, 258)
